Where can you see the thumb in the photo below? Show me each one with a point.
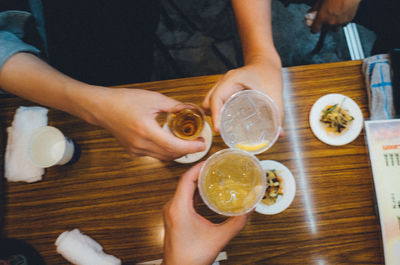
(221, 94)
(176, 145)
(231, 227)
(187, 185)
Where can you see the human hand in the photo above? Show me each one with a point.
(189, 237)
(334, 13)
(259, 74)
(129, 114)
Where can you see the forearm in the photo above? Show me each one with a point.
(254, 25)
(27, 76)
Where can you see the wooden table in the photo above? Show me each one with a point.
(117, 200)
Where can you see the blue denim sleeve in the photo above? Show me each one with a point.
(11, 34)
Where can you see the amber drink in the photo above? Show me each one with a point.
(232, 182)
(186, 121)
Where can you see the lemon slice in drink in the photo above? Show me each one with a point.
(252, 147)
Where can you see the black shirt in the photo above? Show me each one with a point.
(104, 42)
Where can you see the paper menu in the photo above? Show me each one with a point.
(383, 139)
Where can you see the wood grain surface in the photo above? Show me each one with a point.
(117, 200)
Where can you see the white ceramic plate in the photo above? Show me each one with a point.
(318, 128)
(289, 188)
(206, 133)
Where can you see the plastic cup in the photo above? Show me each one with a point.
(250, 121)
(232, 182)
(48, 147)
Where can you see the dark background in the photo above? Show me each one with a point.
(200, 38)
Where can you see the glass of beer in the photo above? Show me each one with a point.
(232, 182)
(186, 121)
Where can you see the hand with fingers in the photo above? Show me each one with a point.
(130, 115)
(333, 13)
(259, 74)
(189, 237)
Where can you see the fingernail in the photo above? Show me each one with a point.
(201, 139)
(282, 132)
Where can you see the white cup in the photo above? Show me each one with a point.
(48, 147)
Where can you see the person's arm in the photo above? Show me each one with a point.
(254, 24)
(190, 239)
(262, 69)
(128, 113)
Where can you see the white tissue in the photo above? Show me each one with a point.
(18, 166)
(80, 249)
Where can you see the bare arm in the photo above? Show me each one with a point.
(262, 69)
(189, 237)
(27, 76)
(254, 24)
(127, 113)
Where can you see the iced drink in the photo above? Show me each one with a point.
(250, 121)
(232, 182)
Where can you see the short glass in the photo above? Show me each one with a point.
(250, 121)
(186, 121)
(232, 182)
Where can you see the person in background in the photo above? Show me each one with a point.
(63, 54)
(262, 65)
(68, 51)
(380, 16)
(333, 13)
(189, 237)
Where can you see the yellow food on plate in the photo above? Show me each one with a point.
(336, 118)
(274, 188)
(251, 147)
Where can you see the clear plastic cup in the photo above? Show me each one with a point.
(250, 121)
(232, 182)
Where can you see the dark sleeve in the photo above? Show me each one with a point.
(13, 27)
(13, 31)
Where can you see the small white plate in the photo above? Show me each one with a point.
(331, 138)
(206, 133)
(289, 188)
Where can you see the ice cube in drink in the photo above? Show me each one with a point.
(231, 182)
(250, 121)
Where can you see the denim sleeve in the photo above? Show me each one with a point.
(12, 26)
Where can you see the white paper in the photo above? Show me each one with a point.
(383, 138)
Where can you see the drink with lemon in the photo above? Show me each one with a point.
(232, 182)
(252, 147)
(250, 121)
